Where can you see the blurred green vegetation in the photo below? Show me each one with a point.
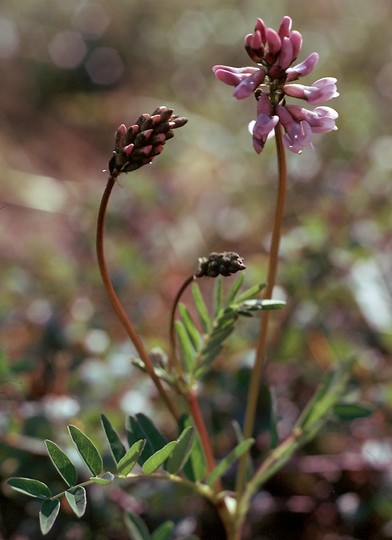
(72, 72)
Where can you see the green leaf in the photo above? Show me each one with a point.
(77, 500)
(156, 460)
(186, 347)
(62, 462)
(321, 405)
(48, 514)
(127, 463)
(136, 527)
(240, 438)
(141, 427)
(103, 479)
(228, 461)
(164, 531)
(201, 308)
(28, 486)
(250, 293)
(234, 289)
(195, 466)
(350, 411)
(189, 325)
(249, 306)
(223, 326)
(87, 450)
(117, 448)
(181, 452)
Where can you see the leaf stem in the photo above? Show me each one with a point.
(120, 312)
(255, 382)
(173, 355)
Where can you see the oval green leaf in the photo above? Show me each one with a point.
(48, 514)
(77, 500)
(181, 452)
(350, 411)
(156, 460)
(127, 463)
(87, 450)
(63, 464)
(116, 446)
(28, 486)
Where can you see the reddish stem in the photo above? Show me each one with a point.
(121, 314)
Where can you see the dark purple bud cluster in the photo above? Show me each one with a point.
(138, 144)
(220, 264)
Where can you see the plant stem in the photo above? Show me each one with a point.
(195, 412)
(255, 382)
(173, 356)
(133, 335)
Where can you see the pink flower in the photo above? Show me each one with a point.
(271, 81)
(322, 90)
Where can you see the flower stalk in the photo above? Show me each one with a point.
(118, 308)
(257, 371)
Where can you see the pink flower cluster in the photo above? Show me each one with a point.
(273, 80)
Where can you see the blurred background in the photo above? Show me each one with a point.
(72, 71)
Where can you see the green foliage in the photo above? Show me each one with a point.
(116, 446)
(136, 527)
(77, 500)
(175, 453)
(182, 451)
(141, 427)
(87, 450)
(195, 466)
(127, 462)
(228, 461)
(28, 486)
(351, 411)
(63, 464)
(164, 532)
(158, 458)
(199, 350)
(48, 513)
(321, 406)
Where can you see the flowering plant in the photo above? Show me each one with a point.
(273, 79)
(196, 338)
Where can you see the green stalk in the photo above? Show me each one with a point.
(255, 382)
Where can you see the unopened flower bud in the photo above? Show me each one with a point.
(223, 264)
(138, 144)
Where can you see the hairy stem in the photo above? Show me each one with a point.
(133, 335)
(255, 382)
